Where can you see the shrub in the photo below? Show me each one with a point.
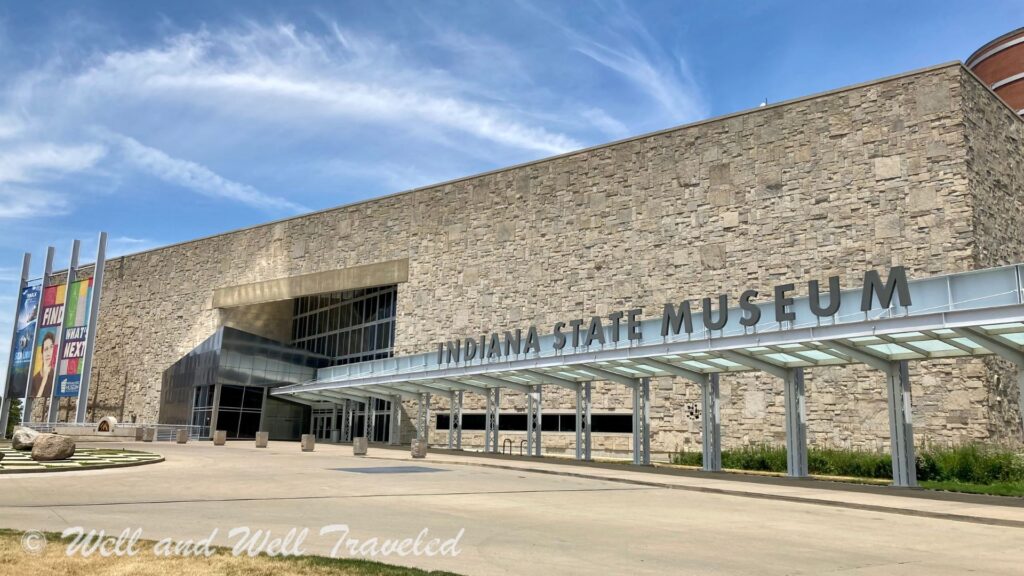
(14, 417)
(970, 463)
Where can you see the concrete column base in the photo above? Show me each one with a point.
(359, 445)
(308, 442)
(419, 448)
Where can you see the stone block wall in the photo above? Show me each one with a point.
(866, 177)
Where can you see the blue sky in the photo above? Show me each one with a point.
(164, 121)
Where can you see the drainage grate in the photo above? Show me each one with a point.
(390, 470)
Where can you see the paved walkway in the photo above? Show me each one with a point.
(570, 519)
(984, 509)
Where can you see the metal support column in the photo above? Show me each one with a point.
(346, 421)
(533, 421)
(395, 421)
(371, 418)
(642, 422)
(263, 409)
(5, 405)
(455, 422)
(216, 409)
(491, 420)
(334, 434)
(711, 429)
(901, 429)
(796, 424)
(54, 400)
(422, 405)
(90, 332)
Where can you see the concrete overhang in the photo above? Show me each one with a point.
(355, 277)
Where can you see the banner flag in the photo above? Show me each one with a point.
(24, 338)
(76, 327)
(45, 360)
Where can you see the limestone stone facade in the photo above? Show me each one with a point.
(923, 170)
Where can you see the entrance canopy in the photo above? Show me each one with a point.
(966, 314)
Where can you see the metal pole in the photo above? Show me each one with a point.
(645, 442)
(90, 332)
(711, 433)
(488, 414)
(72, 276)
(263, 410)
(26, 408)
(579, 423)
(5, 405)
(539, 426)
(586, 421)
(394, 420)
(796, 424)
(636, 426)
(421, 416)
(904, 463)
(457, 418)
(216, 409)
(451, 422)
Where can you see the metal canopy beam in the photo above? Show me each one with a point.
(343, 396)
(602, 374)
(456, 385)
(386, 392)
(673, 370)
(422, 389)
(554, 380)
(755, 363)
(1002, 349)
(876, 362)
(492, 381)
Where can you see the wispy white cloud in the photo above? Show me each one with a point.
(605, 122)
(280, 73)
(33, 162)
(27, 167)
(626, 47)
(196, 177)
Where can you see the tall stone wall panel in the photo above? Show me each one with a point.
(861, 178)
(994, 140)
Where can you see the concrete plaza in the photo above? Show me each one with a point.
(524, 516)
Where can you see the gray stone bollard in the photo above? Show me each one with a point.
(220, 437)
(148, 434)
(308, 442)
(181, 436)
(262, 439)
(419, 448)
(138, 434)
(359, 446)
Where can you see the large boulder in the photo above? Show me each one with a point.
(23, 438)
(49, 447)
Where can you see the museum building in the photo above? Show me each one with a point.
(920, 174)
